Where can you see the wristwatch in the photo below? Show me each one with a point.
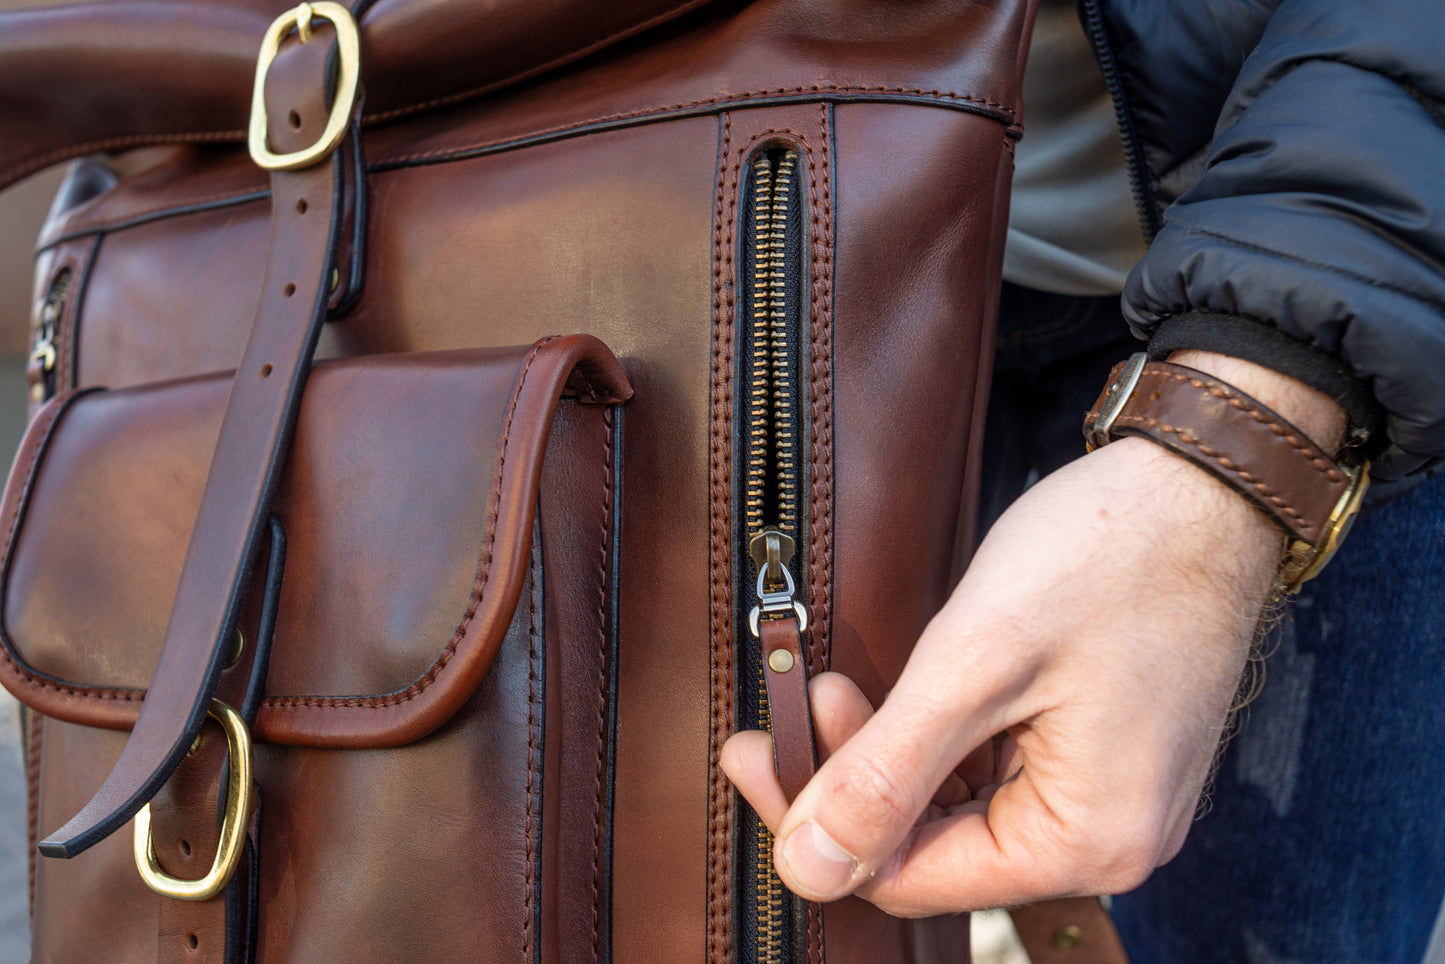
(1241, 442)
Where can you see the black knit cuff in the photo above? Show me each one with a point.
(1255, 341)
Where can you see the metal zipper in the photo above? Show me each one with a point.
(43, 351)
(769, 531)
(1149, 217)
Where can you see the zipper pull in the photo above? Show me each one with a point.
(772, 550)
(785, 678)
(40, 372)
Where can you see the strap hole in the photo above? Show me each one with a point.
(301, 206)
(294, 120)
(266, 370)
(185, 848)
(289, 290)
(192, 941)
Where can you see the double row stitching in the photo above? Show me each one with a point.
(719, 886)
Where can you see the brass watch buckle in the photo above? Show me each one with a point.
(1304, 560)
(348, 41)
(240, 800)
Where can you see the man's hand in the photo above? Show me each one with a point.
(1053, 729)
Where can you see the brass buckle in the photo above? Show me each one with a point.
(348, 40)
(239, 802)
(1303, 560)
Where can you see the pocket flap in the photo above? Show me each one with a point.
(408, 499)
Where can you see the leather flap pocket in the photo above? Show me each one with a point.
(408, 501)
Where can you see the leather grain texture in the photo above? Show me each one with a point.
(602, 196)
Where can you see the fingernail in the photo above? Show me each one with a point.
(816, 863)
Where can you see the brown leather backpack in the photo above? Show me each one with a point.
(467, 700)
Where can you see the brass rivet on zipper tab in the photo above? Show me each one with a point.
(780, 660)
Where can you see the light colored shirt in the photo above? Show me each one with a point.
(1073, 227)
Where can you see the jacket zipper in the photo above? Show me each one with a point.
(44, 349)
(1149, 217)
(769, 531)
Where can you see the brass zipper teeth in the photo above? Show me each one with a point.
(769, 887)
(783, 424)
(771, 414)
(761, 311)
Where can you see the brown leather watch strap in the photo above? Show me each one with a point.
(307, 224)
(1228, 434)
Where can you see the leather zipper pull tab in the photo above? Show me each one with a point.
(786, 677)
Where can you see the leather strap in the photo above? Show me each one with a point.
(187, 811)
(306, 224)
(785, 676)
(1231, 436)
(1074, 930)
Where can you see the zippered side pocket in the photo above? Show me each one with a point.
(770, 528)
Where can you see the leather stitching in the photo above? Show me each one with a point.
(1284, 430)
(381, 162)
(716, 100)
(42, 441)
(32, 795)
(820, 398)
(719, 884)
(540, 69)
(530, 841)
(69, 230)
(478, 587)
(602, 654)
(386, 701)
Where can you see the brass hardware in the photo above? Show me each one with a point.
(37, 392)
(1303, 561)
(238, 647)
(772, 549)
(1068, 937)
(348, 42)
(44, 353)
(780, 660)
(240, 800)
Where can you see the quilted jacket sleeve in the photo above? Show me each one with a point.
(1315, 240)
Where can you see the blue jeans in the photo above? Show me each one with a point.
(1325, 841)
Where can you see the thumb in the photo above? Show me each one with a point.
(863, 802)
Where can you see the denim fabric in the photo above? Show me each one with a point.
(1326, 837)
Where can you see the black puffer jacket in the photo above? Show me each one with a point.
(1289, 159)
